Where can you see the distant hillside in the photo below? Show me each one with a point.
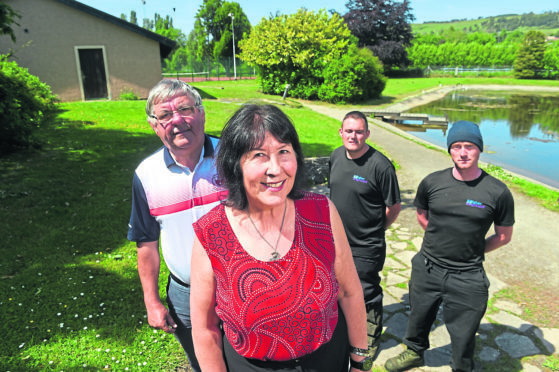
(547, 22)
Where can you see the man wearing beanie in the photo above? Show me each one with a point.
(456, 207)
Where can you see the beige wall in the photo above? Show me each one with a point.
(54, 30)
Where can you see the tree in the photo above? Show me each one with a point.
(7, 18)
(224, 44)
(301, 49)
(206, 18)
(193, 50)
(177, 61)
(529, 61)
(164, 27)
(185, 57)
(148, 24)
(551, 60)
(213, 27)
(133, 17)
(382, 26)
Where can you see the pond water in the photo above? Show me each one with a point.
(520, 131)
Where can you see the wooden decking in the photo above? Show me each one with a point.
(424, 121)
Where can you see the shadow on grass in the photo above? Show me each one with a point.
(204, 94)
(67, 273)
(316, 149)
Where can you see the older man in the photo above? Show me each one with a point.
(456, 207)
(172, 188)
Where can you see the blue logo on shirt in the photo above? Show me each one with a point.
(475, 204)
(359, 179)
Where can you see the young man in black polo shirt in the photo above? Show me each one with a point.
(364, 188)
(456, 207)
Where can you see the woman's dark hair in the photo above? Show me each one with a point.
(244, 132)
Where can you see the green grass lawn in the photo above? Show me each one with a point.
(71, 296)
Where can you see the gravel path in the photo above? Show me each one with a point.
(531, 261)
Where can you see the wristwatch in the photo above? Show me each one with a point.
(364, 365)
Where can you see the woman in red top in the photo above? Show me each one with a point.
(271, 264)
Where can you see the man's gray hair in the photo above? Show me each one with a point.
(169, 88)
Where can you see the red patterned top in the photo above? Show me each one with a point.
(279, 310)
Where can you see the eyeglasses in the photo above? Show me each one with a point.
(166, 117)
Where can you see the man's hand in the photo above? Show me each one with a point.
(159, 318)
(148, 268)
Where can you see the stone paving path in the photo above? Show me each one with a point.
(503, 340)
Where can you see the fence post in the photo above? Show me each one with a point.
(228, 68)
(285, 92)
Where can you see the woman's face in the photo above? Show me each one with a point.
(269, 173)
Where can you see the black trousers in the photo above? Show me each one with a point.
(369, 263)
(463, 295)
(332, 356)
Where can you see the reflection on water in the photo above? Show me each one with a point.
(520, 131)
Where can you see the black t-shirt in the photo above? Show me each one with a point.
(460, 214)
(361, 189)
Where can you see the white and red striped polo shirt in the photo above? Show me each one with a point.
(168, 198)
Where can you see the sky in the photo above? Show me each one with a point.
(184, 11)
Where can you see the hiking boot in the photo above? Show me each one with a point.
(406, 360)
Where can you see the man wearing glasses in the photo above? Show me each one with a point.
(172, 189)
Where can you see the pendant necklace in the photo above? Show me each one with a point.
(275, 255)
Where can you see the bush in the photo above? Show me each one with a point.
(356, 76)
(128, 95)
(399, 73)
(294, 49)
(303, 83)
(315, 54)
(26, 104)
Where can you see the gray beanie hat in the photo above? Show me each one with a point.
(464, 131)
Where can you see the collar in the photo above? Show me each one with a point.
(207, 152)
